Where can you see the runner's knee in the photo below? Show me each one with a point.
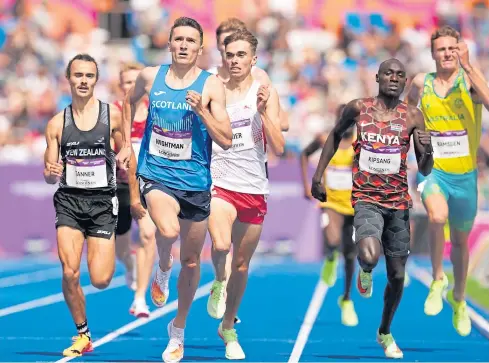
(438, 216)
(396, 268)
(369, 252)
(71, 275)
(169, 230)
(191, 262)
(100, 282)
(146, 237)
(101, 279)
(220, 245)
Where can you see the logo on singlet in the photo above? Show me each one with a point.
(383, 139)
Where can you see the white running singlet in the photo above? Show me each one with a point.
(242, 168)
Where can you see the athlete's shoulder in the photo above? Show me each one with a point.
(149, 73)
(360, 104)
(261, 76)
(213, 80)
(419, 79)
(56, 122)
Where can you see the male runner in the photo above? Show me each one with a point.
(451, 101)
(85, 202)
(186, 113)
(129, 202)
(225, 29)
(338, 214)
(239, 175)
(380, 194)
(217, 298)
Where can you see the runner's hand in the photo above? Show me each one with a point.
(123, 158)
(137, 211)
(194, 99)
(54, 169)
(262, 98)
(318, 191)
(424, 137)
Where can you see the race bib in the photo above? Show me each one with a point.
(242, 135)
(338, 178)
(86, 174)
(384, 160)
(450, 144)
(173, 145)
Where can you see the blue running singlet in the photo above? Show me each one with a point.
(176, 148)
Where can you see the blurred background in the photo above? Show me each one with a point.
(318, 54)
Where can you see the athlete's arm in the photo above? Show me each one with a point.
(53, 169)
(269, 116)
(413, 93)
(135, 94)
(137, 210)
(211, 108)
(138, 91)
(310, 149)
(261, 76)
(479, 86)
(116, 123)
(422, 142)
(347, 119)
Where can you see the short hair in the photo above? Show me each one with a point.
(242, 35)
(82, 57)
(130, 66)
(185, 21)
(230, 25)
(444, 31)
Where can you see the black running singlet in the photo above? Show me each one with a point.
(88, 159)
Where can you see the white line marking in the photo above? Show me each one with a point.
(55, 298)
(31, 277)
(425, 278)
(309, 320)
(201, 292)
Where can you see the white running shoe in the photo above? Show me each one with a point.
(174, 350)
(159, 287)
(139, 309)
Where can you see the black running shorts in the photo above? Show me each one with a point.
(125, 219)
(390, 226)
(194, 205)
(94, 216)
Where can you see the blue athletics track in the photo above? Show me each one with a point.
(287, 316)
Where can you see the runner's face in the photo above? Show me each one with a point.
(239, 59)
(443, 54)
(185, 45)
(220, 43)
(391, 79)
(128, 79)
(83, 77)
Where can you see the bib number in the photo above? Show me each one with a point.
(86, 174)
(450, 144)
(173, 145)
(338, 178)
(384, 160)
(242, 135)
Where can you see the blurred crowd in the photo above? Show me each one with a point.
(314, 68)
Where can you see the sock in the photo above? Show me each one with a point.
(83, 329)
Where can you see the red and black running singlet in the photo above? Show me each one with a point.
(379, 166)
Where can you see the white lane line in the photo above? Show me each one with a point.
(55, 298)
(168, 308)
(309, 320)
